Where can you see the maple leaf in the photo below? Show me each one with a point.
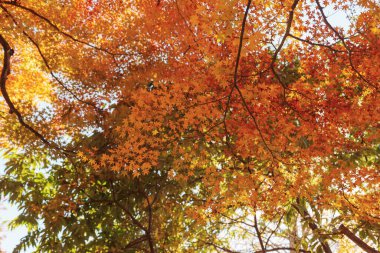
(166, 125)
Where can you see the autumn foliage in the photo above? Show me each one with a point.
(192, 126)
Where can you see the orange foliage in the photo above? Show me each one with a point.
(267, 101)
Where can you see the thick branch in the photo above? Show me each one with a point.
(313, 226)
(344, 230)
(50, 70)
(8, 52)
(256, 226)
(126, 210)
(150, 220)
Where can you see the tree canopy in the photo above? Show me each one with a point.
(192, 126)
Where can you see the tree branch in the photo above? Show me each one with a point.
(8, 52)
(312, 225)
(135, 242)
(344, 230)
(235, 86)
(126, 210)
(219, 247)
(287, 32)
(55, 27)
(283, 248)
(46, 62)
(263, 249)
(315, 43)
(342, 39)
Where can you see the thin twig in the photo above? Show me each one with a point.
(55, 27)
(235, 85)
(342, 39)
(44, 59)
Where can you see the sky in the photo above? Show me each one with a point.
(9, 239)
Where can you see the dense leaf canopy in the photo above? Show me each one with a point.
(192, 126)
